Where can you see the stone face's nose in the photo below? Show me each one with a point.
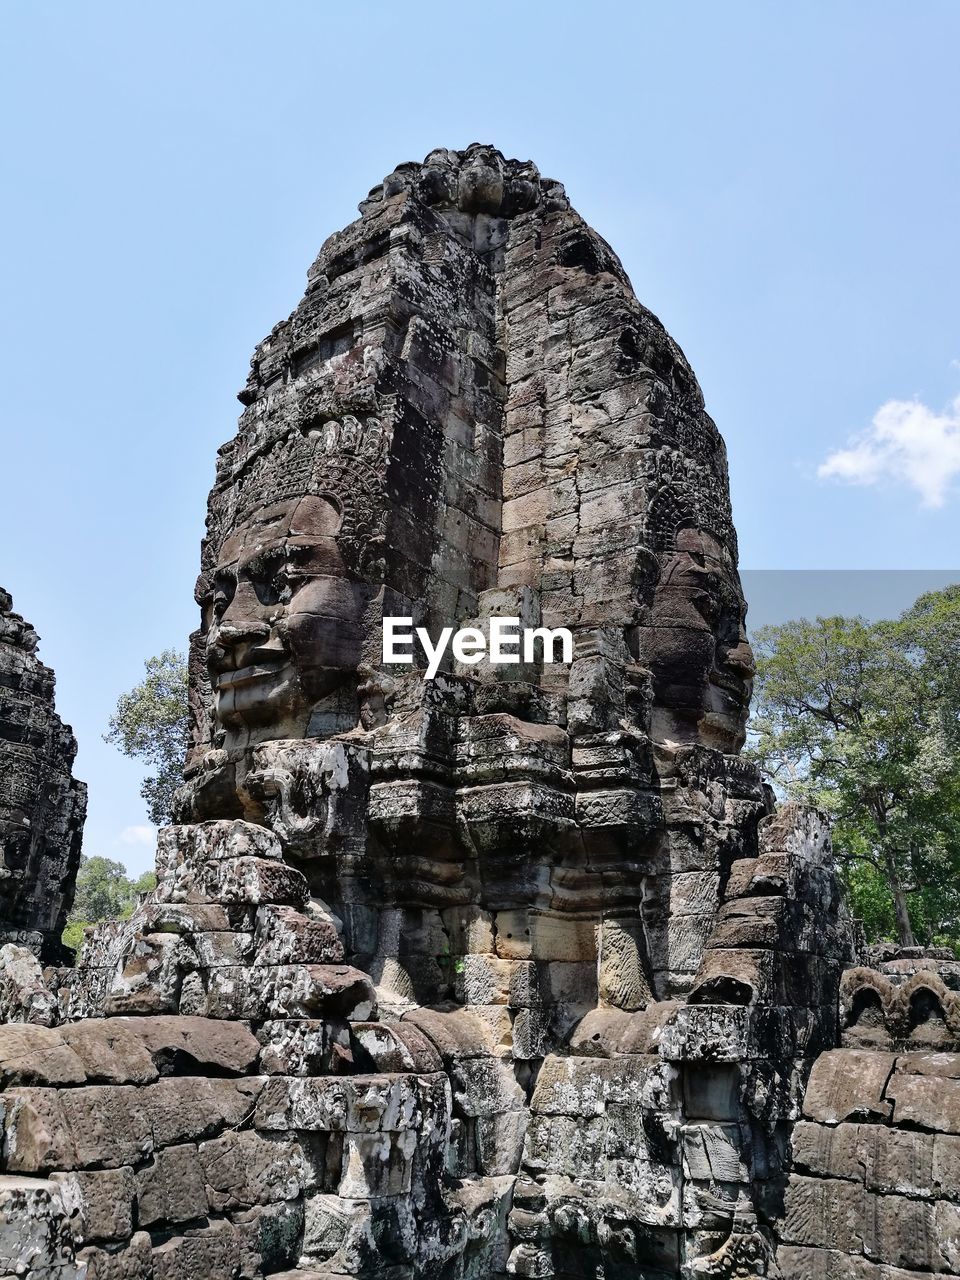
(740, 658)
(230, 633)
(229, 640)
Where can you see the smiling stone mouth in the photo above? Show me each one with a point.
(249, 674)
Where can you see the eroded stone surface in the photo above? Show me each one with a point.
(42, 806)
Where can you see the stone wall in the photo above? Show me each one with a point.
(874, 1191)
(279, 1124)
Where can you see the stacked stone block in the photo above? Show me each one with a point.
(179, 1147)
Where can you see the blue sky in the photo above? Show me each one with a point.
(782, 183)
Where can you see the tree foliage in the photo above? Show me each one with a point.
(151, 723)
(104, 892)
(863, 720)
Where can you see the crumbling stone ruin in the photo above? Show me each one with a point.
(517, 971)
(42, 806)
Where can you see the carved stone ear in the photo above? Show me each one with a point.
(203, 589)
(646, 575)
(371, 563)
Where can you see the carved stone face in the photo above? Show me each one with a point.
(697, 646)
(285, 629)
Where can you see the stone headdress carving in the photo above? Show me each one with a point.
(343, 459)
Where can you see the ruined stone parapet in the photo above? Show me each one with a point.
(25, 993)
(229, 932)
(42, 806)
(909, 998)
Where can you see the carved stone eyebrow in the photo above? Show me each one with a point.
(266, 560)
(298, 552)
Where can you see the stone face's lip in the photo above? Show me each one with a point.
(250, 674)
(731, 678)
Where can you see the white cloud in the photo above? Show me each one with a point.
(906, 443)
(139, 835)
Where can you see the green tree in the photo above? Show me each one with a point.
(104, 892)
(72, 935)
(151, 723)
(862, 720)
(144, 883)
(934, 623)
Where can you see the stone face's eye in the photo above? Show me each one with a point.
(706, 605)
(730, 627)
(270, 578)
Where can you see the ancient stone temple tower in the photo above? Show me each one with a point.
(514, 971)
(42, 806)
(470, 414)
